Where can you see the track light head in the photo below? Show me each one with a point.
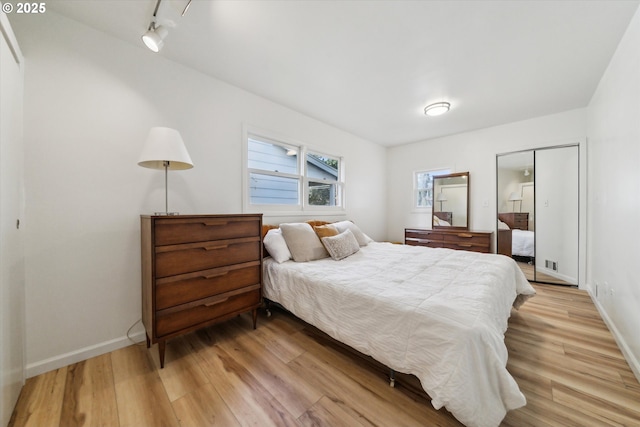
(154, 38)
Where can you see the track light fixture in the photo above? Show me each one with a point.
(154, 37)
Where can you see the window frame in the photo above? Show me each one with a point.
(417, 189)
(303, 206)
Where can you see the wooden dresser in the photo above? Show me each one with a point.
(515, 220)
(198, 270)
(477, 241)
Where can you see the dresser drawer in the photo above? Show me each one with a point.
(174, 320)
(423, 242)
(170, 231)
(177, 290)
(521, 224)
(466, 246)
(462, 237)
(423, 234)
(188, 258)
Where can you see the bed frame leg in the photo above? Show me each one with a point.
(392, 378)
(267, 306)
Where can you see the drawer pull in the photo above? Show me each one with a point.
(215, 248)
(465, 235)
(463, 245)
(210, 304)
(211, 276)
(215, 224)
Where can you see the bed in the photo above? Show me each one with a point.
(514, 237)
(522, 243)
(438, 314)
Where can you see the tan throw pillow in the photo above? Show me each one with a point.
(315, 222)
(303, 242)
(326, 231)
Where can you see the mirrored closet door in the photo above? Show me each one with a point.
(537, 205)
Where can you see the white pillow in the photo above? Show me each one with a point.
(303, 242)
(342, 245)
(503, 225)
(276, 246)
(363, 239)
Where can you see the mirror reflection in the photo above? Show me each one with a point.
(537, 194)
(516, 222)
(451, 201)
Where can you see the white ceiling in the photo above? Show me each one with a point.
(370, 67)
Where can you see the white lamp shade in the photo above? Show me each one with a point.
(514, 197)
(165, 145)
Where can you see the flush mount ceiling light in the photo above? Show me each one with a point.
(437, 109)
(154, 37)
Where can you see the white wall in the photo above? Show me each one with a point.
(614, 189)
(90, 100)
(474, 152)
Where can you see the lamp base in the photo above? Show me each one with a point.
(166, 213)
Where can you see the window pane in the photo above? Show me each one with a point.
(272, 157)
(424, 198)
(424, 187)
(273, 190)
(323, 194)
(319, 167)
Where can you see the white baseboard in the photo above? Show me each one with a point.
(632, 359)
(85, 353)
(557, 275)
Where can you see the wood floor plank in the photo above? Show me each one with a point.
(89, 395)
(327, 413)
(607, 412)
(285, 384)
(142, 399)
(181, 373)
(41, 400)
(248, 400)
(204, 407)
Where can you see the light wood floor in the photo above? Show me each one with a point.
(286, 374)
(532, 275)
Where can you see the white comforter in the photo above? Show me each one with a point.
(522, 243)
(439, 314)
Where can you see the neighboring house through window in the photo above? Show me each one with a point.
(423, 187)
(282, 176)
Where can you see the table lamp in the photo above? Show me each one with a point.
(165, 149)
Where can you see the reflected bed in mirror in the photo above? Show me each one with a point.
(451, 201)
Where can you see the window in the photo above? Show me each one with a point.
(283, 176)
(322, 180)
(423, 187)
